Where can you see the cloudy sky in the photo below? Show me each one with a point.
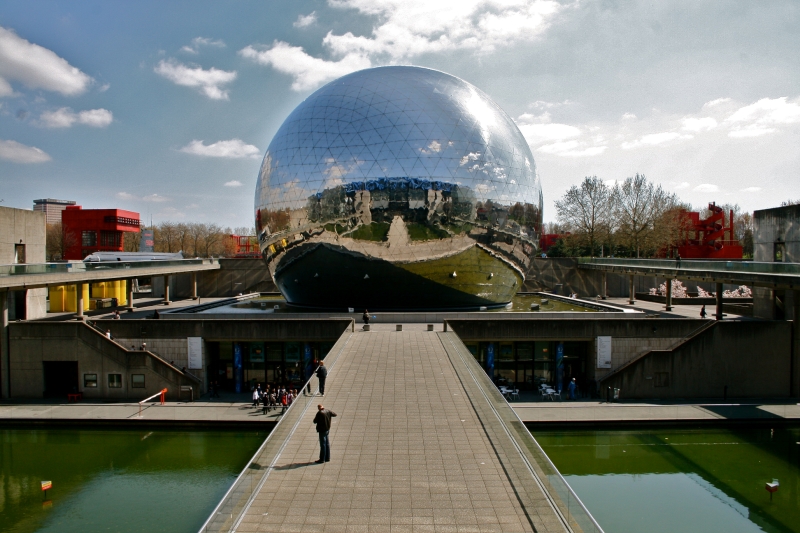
(167, 108)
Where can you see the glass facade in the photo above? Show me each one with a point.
(402, 175)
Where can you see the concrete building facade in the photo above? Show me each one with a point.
(776, 239)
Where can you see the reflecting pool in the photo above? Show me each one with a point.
(117, 480)
(686, 480)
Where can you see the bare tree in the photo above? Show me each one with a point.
(639, 204)
(166, 237)
(57, 241)
(586, 210)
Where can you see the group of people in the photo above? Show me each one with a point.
(269, 398)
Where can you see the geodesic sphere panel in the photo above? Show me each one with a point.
(398, 173)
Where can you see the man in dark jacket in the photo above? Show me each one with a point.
(323, 422)
(322, 374)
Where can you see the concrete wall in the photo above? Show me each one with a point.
(32, 343)
(780, 224)
(28, 227)
(752, 358)
(175, 351)
(235, 276)
(770, 226)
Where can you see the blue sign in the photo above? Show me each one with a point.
(238, 371)
(490, 360)
(309, 361)
(559, 366)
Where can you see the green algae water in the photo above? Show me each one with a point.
(688, 480)
(117, 480)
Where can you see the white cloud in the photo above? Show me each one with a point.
(233, 183)
(197, 42)
(571, 149)
(209, 82)
(716, 102)
(308, 72)
(751, 189)
(655, 139)
(65, 118)
(698, 124)
(763, 117)
(155, 198)
(409, 28)
(541, 133)
(20, 153)
(126, 196)
(706, 187)
(681, 186)
(304, 21)
(37, 67)
(232, 149)
(628, 116)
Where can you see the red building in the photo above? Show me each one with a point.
(95, 230)
(710, 238)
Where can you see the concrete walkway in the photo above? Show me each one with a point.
(410, 452)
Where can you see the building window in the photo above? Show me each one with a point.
(115, 381)
(110, 238)
(137, 381)
(88, 238)
(90, 381)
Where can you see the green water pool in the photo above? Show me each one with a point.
(687, 480)
(117, 480)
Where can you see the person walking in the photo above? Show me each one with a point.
(703, 312)
(322, 375)
(572, 386)
(323, 423)
(365, 317)
(255, 397)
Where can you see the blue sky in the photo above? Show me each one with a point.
(167, 108)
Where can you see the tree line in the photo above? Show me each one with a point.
(632, 218)
(194, 239)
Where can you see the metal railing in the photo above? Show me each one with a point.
(532, 458)
(66, 268)
(751, 267)
(230, 511)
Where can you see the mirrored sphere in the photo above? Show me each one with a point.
(398, 188)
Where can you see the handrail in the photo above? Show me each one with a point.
(239, 496)
(560, 495)
(671, 348)
(162, 393)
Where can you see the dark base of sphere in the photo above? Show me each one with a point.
(332, 278)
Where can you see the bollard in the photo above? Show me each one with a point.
(366, 327)
(430, 327)
(399, 327)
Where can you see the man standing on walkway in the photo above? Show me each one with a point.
(322, 375)
(323, 422)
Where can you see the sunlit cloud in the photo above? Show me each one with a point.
(232, 149)
(66, 118)
(208, 82)
(20, 153)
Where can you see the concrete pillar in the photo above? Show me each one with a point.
(166, 291)
(130, 296)
(194, 285)
(604, 286)
(795, 385)
(669, 295)
(6, 360)
(79, 296)
(632, 298)
(719, 301)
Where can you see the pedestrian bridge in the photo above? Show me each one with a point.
(423, 441)
(32, 276)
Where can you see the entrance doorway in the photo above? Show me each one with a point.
(60, 378)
